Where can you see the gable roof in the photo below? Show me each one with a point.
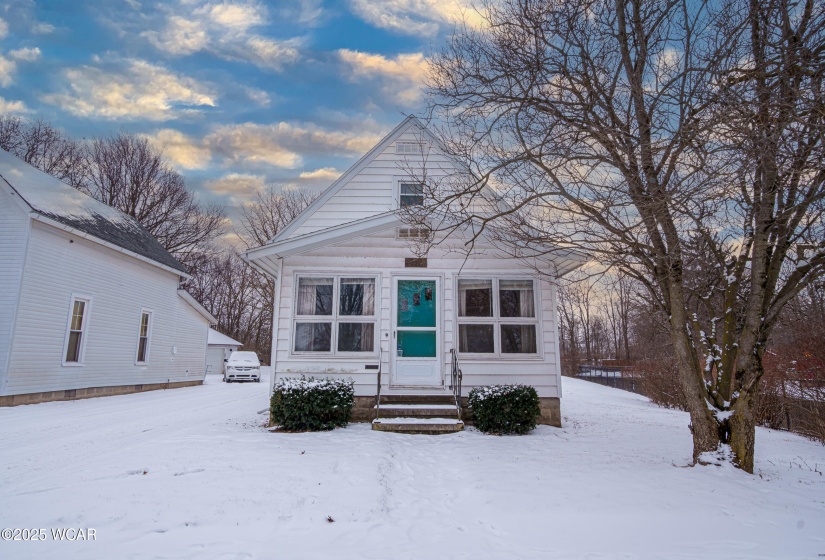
(216, 338)
(54, 200)
(339, 183)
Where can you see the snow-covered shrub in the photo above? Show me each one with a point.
(505, 409)
(309, 404)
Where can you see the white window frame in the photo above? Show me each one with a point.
(496, 320)
(420, 151)
(336, 318)
(84, 330)
(397, 189)
(151, 313)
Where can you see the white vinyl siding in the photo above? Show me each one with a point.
(384, 252)
(373, 189)
(59, 265)
(14, 236)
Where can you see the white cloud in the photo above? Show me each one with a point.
(7, 106)
(224, 30)
(181, 36)
(7, 68)
(42, 28)
(259, 96)
(237, 185)
(282, 144)
(26, 55)
(416, 17)
(179, 149)
(4, 28)
(402, 75)
(140, 90)
(322, 174)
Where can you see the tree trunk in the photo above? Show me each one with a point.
(743, 420)
(703, 424)
(743, 431)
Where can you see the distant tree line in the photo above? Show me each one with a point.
(126, 172)
(607, 316)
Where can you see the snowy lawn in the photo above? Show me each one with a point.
(191, 473)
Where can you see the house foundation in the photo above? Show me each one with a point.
(89, 392)
(363, 410)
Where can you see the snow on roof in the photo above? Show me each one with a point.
(58, 201)
(220, 339)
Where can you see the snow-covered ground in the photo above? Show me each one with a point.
(191, 473)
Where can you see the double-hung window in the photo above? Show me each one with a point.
(410, 194)
(76, 331)
(497, 316)
(144, 331)
(335, 314)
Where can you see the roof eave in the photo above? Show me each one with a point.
(323, 238)
(187, 297)
(35, 215)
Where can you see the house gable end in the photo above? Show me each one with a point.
(369, 187)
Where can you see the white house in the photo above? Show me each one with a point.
(220, 347)
(352, 298)
(89, 301)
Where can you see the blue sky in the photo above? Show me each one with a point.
(239, 94)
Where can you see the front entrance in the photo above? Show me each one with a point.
(416, 337)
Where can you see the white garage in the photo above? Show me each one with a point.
(219, 348)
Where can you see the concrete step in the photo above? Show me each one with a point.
(402, 410)
(418, 399)
(432, 426)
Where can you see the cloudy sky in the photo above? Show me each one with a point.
(239, 94)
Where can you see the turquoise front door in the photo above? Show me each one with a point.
(416, 333)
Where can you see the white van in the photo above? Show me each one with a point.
(242, 366)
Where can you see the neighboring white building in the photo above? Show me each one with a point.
(89, 301)
(220, 347)
(352, 296)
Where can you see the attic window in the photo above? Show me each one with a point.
(412, 194)
(412, 233)
(409, 148)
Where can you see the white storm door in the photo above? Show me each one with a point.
(416, 336)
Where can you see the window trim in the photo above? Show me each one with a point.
(496, 320)
(84, 330)
(151, 313)
(397, 190)
(336, 318)
(422, 148)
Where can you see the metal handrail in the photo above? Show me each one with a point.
(378, 388)
(455, 380)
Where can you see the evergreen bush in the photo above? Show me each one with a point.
(309, 404)
(505, 409)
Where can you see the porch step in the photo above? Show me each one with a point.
(418, 425)
(403, 410)
(417, 399)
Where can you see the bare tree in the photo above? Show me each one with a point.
(270, 212)
(43, 146)
(635, 129)
(241, 298)
(125, 172)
